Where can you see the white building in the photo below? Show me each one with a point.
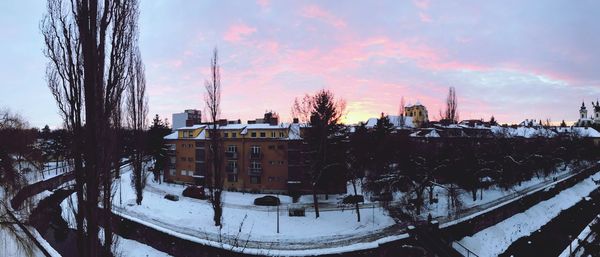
(186, 119)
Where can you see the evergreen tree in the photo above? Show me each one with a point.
(563, 124)
(158, 130)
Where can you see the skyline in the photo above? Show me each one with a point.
(508, 59)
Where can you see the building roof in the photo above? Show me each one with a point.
(394, 119)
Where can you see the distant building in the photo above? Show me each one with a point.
(187, 118)
(418, 112)
(584, 120)
(399, 122)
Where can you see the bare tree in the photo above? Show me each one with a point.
(402, 113)
(137, 112)
(212, 99)
(87, 45)
(451, 112)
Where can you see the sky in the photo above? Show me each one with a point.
(512, 59)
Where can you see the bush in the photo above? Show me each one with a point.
(352, 199)
(172, 197)
(267, 200)
(296, 211)
(195, 192)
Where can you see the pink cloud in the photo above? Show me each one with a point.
(316, 12)
(263, 3)
(425, 17)
(421, 4)
(238, 32)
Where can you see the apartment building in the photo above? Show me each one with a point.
(261, 156)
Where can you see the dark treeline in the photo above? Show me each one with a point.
(393, 161)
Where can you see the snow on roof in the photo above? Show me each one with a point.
(173, 135)
(521, 131)
(192, 127)
(394, 119)
(426, 133)
(294, 132)
(581, 131)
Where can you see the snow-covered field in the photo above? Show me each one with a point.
(496, 239)
(242, 219)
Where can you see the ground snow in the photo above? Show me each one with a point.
(496, 239)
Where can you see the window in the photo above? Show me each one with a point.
(271, 147)
(191, 134)
(233, 134)
(182, 145)
(232, 166)
(280, 147)
(272, 133)
(190, 173)
(225, 135)
(232, 148)
(232, 178)
(190, 145)
(183, 172)
(190, 159)
(182, 159)
(254, 179)
(255, 165)
(253, 134)
(172, 172)
(280, 162)
(255, 149)
(281, 134)
(263, 134)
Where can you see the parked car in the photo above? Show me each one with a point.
(352, 199)
(267, 200)
(197, 192)
(172, 197)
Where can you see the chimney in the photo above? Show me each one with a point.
(222, 122)
(296, 120)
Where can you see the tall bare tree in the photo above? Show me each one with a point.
(87, 44)
(212, 98)
(402, 113)
(137, 112)
(451, 112)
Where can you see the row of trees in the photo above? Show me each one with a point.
(95, 68)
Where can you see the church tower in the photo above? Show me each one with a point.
(596, 115)
(582, 111)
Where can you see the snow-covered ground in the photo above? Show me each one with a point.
(496, 239)
(442, 211)
(242, 219)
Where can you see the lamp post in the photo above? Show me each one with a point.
(278, 202)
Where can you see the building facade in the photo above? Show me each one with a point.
(186, 119)
(256, 157)
(419, 114)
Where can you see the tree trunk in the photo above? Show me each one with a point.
(356, 200)
(315, 202)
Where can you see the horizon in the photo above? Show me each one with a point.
(510, 60)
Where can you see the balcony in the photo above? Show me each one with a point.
(233, 170)
(256, 156)
(255, 171)
(231, 155)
